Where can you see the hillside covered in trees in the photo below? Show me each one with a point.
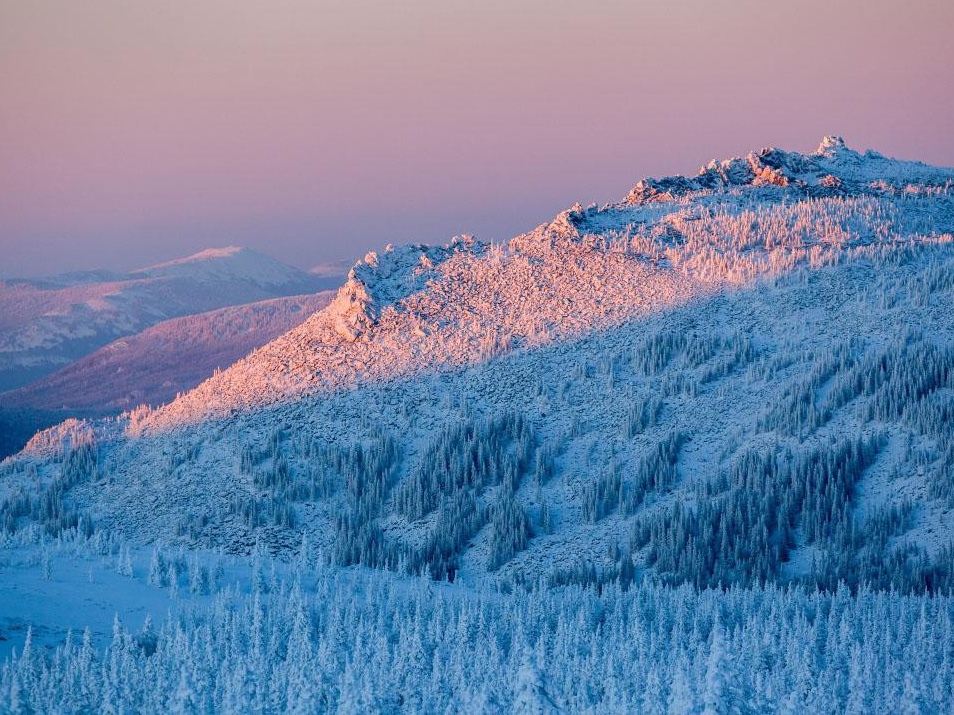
(692, 451)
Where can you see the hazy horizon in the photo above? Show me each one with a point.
(315, 132)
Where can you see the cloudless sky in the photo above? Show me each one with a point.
(313, 130)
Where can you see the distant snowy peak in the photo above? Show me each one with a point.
(832, 169)
(331, 269)
(227, 263)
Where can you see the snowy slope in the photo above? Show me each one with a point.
(419, 307)
(47, 324)
(743, 378)
(616, 379)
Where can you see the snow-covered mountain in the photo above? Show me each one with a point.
(46, 324)
(422, 307)
(669, 331)
(743, 378)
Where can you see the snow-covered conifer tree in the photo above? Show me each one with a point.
(530, 693)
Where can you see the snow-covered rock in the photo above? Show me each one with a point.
(832, 169)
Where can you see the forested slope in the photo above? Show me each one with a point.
(688, 450)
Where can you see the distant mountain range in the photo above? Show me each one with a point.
(47, 324)
(175, 355)
(94, 343)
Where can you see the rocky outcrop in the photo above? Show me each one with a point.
(832, 169)
(381, 280)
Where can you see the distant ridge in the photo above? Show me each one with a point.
(173, 356)
(48, 323)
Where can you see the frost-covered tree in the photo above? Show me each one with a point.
(530, 693)
(158, 570)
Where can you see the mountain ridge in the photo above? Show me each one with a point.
(47, 323)
(395, 288)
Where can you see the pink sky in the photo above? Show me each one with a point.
(132, 132)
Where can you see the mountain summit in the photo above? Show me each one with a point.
(230, 263)
(830, 170)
